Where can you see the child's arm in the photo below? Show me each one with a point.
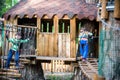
(23, 41)
(9, 40)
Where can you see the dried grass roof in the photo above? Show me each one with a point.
(53, 7)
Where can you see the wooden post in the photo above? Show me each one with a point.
(72, 37)
(100, 1)
(95, 77)
(55, 45)
(117, 9)
(38, 32)
(101, 78)
(104, 12)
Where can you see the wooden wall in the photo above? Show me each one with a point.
(56, 44)
(57, 66)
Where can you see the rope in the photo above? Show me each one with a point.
(105, 23)
(103, 55)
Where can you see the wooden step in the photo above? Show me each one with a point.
(13, 67)
(11, 74)
(9, 70)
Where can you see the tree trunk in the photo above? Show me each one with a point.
(33, 72)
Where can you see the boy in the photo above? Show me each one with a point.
(83, 40)
(14, 49)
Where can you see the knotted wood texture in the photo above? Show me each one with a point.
(117, 9)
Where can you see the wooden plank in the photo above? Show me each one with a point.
(40, 45)
(50, 44)
(38, 42)
(104, 12)
(72, 37)
(67, 45)
(43, 45)
(117, 9)
(54, 58)
(55, 47)
(60, 45)
(9, 70)
(11, 74)
(43, 66)
(63, 45)
(24, 26)
(46, 39)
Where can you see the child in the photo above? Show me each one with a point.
(14, 49)
(83, 40)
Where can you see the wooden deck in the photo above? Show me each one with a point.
(55, 58)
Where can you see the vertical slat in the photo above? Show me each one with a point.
(43, 67)
(42, 45)
(52, 66)
(117, 9)
(68, 45)
(49, 67)
(50, 44)
(60, 45)
(38, 42)
(48, 27)
(46, 44)
(73, 36)
(63, 45)
(55, 47)
(62, 64)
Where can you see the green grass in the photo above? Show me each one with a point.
(54, 77)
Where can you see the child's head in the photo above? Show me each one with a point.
(17, 36)
(82, 29)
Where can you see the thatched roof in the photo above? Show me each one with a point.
(53, 7)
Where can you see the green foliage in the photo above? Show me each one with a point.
(5, 5)
(54, 77)
(2, 5)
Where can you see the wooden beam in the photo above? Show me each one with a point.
(9, 70)
(117, 9)
(72, 37)
(104, 12)
(66, 17)
(24, 26)
(101, 78)
(38, 32)
(55, 43)
(55, 58)
(100, 1)
(11, 74)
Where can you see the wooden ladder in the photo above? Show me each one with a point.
(89, 68)
(13, 73)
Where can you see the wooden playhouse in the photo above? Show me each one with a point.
(54, 26)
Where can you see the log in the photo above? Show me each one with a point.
(95, 77)
(11, 74)
(104, 12)
(72, 37)
(9, 70)
(101, 78)
(117, 9)
(24, 60)
(100, 1)
(20, 67)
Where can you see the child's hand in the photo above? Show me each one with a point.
(7, 32)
